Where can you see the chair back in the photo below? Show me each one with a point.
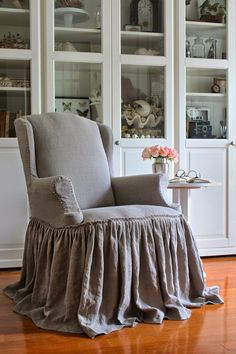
(65, 144)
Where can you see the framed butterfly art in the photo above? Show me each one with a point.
(75, 105)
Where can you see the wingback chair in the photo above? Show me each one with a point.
(101, 252)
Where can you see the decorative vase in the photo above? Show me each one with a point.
(160, 165)
(192, 10)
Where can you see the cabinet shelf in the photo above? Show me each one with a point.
(15, 89)
(205, 94)
(153, 42)
(15, 54)
(77, 57)
(14, 17)
(217, 30)
(143, 60)
(62, 34)
(151, 36)
(143, 39)
(206, 64)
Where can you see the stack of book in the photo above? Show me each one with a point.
(7, 129)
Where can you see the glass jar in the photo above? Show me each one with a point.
(98, 17)
(198, 49)
(188, 50)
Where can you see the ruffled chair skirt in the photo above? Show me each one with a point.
(103, 274)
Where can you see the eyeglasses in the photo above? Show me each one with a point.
(192, 174)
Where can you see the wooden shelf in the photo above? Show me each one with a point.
(14, 17)
(77, 35)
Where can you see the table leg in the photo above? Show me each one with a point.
(182, 197)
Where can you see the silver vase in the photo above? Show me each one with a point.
(160, 165)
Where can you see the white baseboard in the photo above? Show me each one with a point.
(227, 251)
(11, 257)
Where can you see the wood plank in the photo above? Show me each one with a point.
(210, 330)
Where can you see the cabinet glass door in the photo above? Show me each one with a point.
(143, 77)
(14, 24)
(142, 27)
(142, 91)
(14, 94)
(78, 89)
(206, 69)
(78, 25)
(15, 97)
(82, 56)
(206, 104)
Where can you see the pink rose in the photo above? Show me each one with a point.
(173, 155)
(164, 151)
(146, 154)
(154, 151)
(159, 151)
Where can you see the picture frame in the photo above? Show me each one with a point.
(212, 11)
(198, 114)
(75, 105)
(133, 28)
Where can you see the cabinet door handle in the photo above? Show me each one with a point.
(117, 142)
(232, 143)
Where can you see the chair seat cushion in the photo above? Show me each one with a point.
(127, 212)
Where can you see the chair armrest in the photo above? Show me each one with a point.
(52, 199)
(142, 189)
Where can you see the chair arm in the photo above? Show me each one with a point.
(142, 189)
(52, 199)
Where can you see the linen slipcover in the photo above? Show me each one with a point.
(90, 269)
(72, 150)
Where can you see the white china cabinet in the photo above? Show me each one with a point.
(205, 112)
(19, 94)
(122, 62)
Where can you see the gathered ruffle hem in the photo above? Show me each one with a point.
(100, 276)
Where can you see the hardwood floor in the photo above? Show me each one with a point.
(210, 330)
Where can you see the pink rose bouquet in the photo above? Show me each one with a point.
(158, 151)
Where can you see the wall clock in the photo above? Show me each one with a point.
(147, 14)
